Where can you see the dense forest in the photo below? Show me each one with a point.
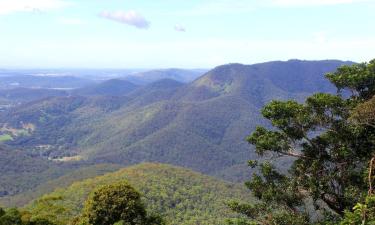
(192, 125)
(315, 159)
(179, 195)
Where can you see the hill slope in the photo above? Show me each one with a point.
(201, 125)
(21, 95)
(180, 75)
(113, 87)
(31, 81)
(54, 177)
(180, 195)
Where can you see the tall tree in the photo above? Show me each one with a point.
(331, 151)
(117, 203)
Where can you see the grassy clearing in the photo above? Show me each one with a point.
(5, 137)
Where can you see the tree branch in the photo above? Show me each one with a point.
(293, 154)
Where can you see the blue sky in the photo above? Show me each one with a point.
(182, 33)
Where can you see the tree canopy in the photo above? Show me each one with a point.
(117, 203)
(332, 139)
(13, 216)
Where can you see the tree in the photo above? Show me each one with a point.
(11, 217)
(363, 213)
(14, 217)
(116, 204)
(331, 152)
(365, 113)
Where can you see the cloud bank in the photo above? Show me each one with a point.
(131, 18)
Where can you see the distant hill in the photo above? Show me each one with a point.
(44, 179)
(113, 87)
(21, 95)
(181, 196)
(201, 125)
(54, 126)
(31, 81)
(181, 75)
(19, 171)
(161, 90)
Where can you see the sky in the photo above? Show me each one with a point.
(182, 33)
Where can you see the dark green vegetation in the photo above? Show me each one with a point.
(114, 204)
(332, 138)
(200, 125)
(15, 217)
(27, 182)
(179, 195)
(364, 113)
(21, 172)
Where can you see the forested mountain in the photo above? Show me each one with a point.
(21, 95)
(179, 195)
(113, 87)
(181, 75)
(200, 125)
(32, 178)
(20, 171)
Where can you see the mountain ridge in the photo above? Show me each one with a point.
(201, 125)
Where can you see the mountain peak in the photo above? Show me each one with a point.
(113, 87)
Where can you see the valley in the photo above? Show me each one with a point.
(201, 125)
(200, 112)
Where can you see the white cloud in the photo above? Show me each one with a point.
(303, 3)
(131, 18)
(71, 21)
(179, 28)
(13, 6)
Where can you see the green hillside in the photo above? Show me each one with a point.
(181, 75)
(20, 95)
(34, 184)
(180, 195)
(201, 125)
(113, 87)
(19, 171)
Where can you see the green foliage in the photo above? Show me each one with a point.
(365, 113)
(358, 79)
(11, 217)
(20, 171)
(362, 213)
(331, 153)
(115, 202)
(179, 195)
(54, 180)
(14, 217)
